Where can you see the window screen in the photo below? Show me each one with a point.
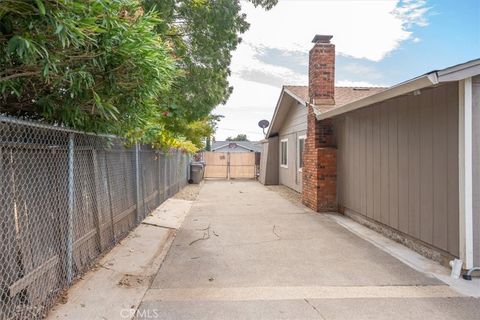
(283, 153)
(301, 146)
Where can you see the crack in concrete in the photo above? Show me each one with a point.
(273, 230)
(158, 226)
(314, 308)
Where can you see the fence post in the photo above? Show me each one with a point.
(70, 209)
(137, 179)
(187, 165)
(97, 209)
(110, 204)
(159, 167)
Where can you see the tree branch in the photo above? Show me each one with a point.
(19, 75)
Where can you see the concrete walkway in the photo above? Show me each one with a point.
(244, 252)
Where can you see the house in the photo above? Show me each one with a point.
(236, 146)
(404, 159)
(289, 127)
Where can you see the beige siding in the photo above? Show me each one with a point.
(269, 162)
(296, 119)
(295, 125)
(476, 170)
(398, 164)
(291, 176)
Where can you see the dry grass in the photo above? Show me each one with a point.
(287, 193)
(189, 192)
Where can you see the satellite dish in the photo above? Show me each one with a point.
(263, 124)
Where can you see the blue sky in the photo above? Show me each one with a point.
(378, 42)
(452, 36)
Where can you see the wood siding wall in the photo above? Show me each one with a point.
(269, 162)
(398, 164)
(295, 125)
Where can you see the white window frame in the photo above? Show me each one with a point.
(302, 137)
(286, 153)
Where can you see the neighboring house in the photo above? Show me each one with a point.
(236, 146)
(405, 159)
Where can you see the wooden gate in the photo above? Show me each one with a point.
(216, 164)
(234, 165)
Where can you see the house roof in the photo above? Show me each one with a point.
(454, 73)
(343, 95)
(351, 98)
(248, 145)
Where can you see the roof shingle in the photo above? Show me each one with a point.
(343, 95)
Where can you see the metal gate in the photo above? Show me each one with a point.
(234, 165)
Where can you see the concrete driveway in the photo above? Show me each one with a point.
(244, 252)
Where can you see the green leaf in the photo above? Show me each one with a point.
(41, 7)
(115, 66)
(59, 29)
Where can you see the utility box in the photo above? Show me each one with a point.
(196, 173)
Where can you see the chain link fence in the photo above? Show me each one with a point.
(65, 198)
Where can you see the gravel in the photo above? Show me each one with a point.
(287, 193)
(189, 192)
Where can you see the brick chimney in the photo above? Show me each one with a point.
(319, 174)
(321, 71)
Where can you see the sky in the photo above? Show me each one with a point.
(378, 43)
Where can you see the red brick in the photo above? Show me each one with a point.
(319, 181)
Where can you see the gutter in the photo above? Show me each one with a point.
(418, 83)
(454, 73)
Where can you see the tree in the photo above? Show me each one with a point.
(149, 70)
(208, 144)
(203, 33)
(239, 137)
(92, 65)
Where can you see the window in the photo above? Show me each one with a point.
(301, 147)
(284, 153)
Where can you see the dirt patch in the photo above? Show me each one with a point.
(189, 192)
(130, 280)
(287, 193)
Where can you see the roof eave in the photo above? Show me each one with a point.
(269, 131)
(460, 72)
(277, 107)
(454, 73)
(397, 90)
(294, 96)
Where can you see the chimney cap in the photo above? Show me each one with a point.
(320, 38)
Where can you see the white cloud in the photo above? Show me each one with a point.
(361, 70)
(245, 61)
(362, 29)
(348, 83)
(412, 12)
(249, 103)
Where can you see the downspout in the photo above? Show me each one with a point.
(465, 159)
(468, 275)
